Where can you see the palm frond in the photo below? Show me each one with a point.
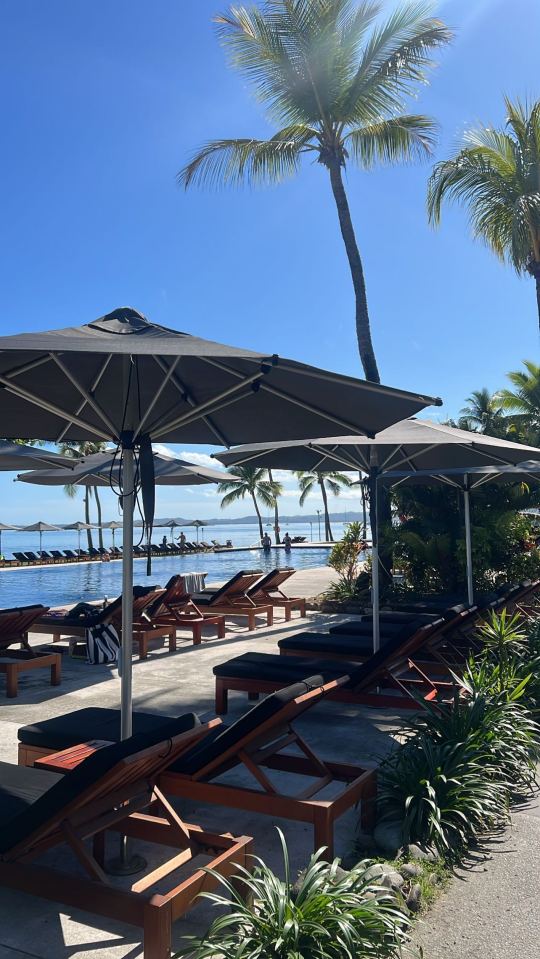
(400, 138)
(257, 162)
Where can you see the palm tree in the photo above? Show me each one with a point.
(483, 413)
(524, 401)
(336, 94)
(308, 479)
(496, 175)
(85, 449)
(252, 482)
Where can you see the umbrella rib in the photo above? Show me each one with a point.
(210, 406)
(88, 398)
(362, 458)
(82, 405)
(26, 367)
(375, 387)
(156, 395)
(275, 391)
(50, 407)
(178, 384)
(339, 457)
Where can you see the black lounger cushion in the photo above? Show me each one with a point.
(27, 817)
(364, 626)
(286, 669)
(94, 722)
(324, 644)
(225, 737)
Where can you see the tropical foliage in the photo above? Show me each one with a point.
(252, 482)
(335, 482)
(522, 403)
(89, 492)
(335, 84)
(495, 174)
(464, 762)
(428, 541)
(327, 914)
(346, 559)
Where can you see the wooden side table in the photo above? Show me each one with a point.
(67, 759)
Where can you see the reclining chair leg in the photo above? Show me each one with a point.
(157, 929)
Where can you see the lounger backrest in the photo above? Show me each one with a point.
(15, 622)
(109, 772)
(237, 586)
(265, 719)
(175, 594)
(272, 581)
(394, 650)
(143, 596)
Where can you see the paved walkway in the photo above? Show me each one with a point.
(490, 910)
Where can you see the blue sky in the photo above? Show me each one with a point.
(102, 102)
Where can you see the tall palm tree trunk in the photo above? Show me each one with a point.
(99, 516)
(276, 512)
(87, 516)
(327, 527)
(258, 512)
(363, 331)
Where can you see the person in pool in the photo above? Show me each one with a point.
(266, 542)
(287, 542)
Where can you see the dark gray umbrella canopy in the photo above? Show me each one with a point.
(17, 456)
(41, 527)
(411, 445)
(100, 468)
(124, 379)
(77, 384)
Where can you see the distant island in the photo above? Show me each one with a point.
(347, 517)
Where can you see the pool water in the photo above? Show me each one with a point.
(58, 585)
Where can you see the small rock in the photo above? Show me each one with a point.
(413, 899)
(419, 851)
(374, 872)
(392, 880)
(410, 869)
(389, 836)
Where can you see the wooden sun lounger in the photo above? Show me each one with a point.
(175, 608)
(389, 677)
(232, 599)
(114, 788)
(14, 627)
(268, 590)
(145, 632)
(308, 789)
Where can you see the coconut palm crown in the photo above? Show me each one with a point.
(335, 84)
(253, 482)
(496, 175)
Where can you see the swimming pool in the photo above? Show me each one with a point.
(56, 585)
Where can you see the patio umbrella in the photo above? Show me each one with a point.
(5, 526)
(113, 525)
(20, 456)
(124, 379)
(41, 528)
(467, 481)
(410, 445)
(78, 526)
(197, 523)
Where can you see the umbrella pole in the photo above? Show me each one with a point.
(126, 665)
(468, 542)
(126, 864)
(374, 523)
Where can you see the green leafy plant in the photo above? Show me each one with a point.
(446, 793)
(346, 559)
(327, 914)
(494, 723)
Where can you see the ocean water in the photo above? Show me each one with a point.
(56, 585)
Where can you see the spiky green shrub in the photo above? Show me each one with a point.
(494, 723)
(446, 793)
(326, 915)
